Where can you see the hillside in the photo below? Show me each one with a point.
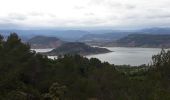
(25, 75)
(103, 37)
(77, 48)
(44, 42)
(156, 30)
(145, 40)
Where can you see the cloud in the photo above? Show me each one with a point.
(36, 14)
(84, 13)
(130, 7)
(78, 7)
(16, 16)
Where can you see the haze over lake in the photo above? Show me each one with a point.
(122, 55)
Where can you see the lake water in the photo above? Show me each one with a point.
(45, 50)
(42, 50)
(122, 55)
(128, 56)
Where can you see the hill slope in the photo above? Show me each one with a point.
(25, 75)
(145, 40)
(44, 42)
(77, 48)
(103, 37)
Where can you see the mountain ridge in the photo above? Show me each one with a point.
(42, 42)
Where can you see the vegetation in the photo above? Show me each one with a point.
(77, 48)
(25, 75)
(44, 42)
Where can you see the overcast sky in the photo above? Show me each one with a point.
(84, 13)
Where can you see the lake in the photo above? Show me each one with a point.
(122, 55)
(128, 56)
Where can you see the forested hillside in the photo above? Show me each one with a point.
(44, 42)
(25, 75)
(145, 40)
(77, 48)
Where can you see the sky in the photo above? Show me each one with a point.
(84, 13)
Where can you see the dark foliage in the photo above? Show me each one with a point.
(77, 48)
(25, 75)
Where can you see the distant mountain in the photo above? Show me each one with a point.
(104, 37)
(144, 40)
(155, 30)
(77, 48)
(44, 42)
(24, 35)
(100, 39)
(115, 35)
(97, 35)
(67, 35)
(72, 35)
(109, 39)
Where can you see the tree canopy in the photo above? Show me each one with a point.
(26, 75)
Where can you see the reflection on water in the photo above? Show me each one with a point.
(122, 55)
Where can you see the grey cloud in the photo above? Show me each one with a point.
(158, 16)
(40, 14)
(15, 16)
(106, 3)
(79, 7)
(89, 14)
(96, 2)
(52, 15)
(146, 18)
(94, 13)
(130, 7)
(36, 14)
(113, 4)
(12, 20)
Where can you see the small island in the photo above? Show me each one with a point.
(74, 48)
